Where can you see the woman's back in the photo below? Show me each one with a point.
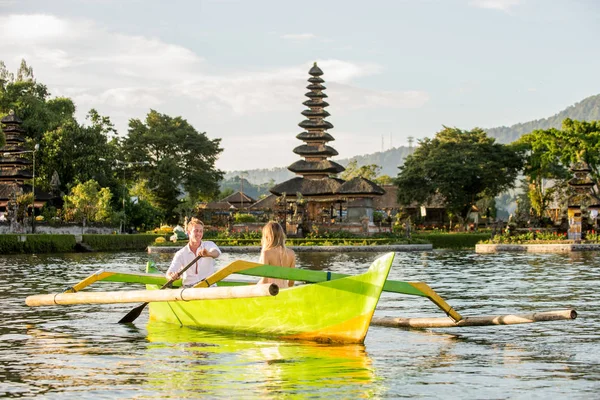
(279, 256)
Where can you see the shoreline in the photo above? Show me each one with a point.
(536, 248)
(300, 249)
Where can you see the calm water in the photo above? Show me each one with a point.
(81, 352)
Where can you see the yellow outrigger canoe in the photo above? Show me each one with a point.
(330, 307)
(337, 311)
(333, 311)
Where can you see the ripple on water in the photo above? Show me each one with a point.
(81, 352)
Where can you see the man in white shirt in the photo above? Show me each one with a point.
(204, 266)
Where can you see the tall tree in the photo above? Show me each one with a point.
(382, 180)
(364, 171)
(31, 102)
(181, 159)
(461, 166)
(5, 75)
(25, 72)
(73, 150)
(549, 154)
(551, 151)
(88, 202)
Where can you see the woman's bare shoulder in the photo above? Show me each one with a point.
(272, 250)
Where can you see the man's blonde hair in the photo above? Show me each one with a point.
(192, 222)
(272, 236)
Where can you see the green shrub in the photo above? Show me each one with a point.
(590, 236)
(378, 216)
(331, 235)
(354, 241)
(242, 218)
(535, 237)
(163, 230)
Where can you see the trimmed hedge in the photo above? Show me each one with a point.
(306, 242)
(120, 242)
(49, 244)
(42, 243)
(12, 244)
(452, 240)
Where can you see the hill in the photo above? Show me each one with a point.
(389, 160)
(586, 110)
(260, 176)
(254, 190)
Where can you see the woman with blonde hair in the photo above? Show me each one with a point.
(274, 252)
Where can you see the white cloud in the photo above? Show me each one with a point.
(343, 71)
(40, 28)
(298, 36)
(123, 76)
(503, 5)
(282, 89)
(79, 49)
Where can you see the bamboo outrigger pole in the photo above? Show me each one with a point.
(136, 296)
(447, 322)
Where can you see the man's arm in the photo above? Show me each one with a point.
(211, 251)
(174, 267)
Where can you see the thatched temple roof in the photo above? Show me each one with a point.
(239, 197)
(360, 186)
(308, 187)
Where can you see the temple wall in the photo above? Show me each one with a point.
(60, 230)
(357, 228)
(359, 209)
(248, 227)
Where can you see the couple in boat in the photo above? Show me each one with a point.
(273, 252)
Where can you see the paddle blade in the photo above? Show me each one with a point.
(133, 314)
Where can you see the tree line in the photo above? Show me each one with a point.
(168, 166)
(469, 169)
(162, 161)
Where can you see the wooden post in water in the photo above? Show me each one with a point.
(447, 322)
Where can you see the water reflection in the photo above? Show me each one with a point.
(215, 364)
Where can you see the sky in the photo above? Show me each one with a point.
(237, 70)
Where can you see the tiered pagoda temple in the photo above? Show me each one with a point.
(14, 168)
(316, 196)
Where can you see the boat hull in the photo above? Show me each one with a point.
(336, 311)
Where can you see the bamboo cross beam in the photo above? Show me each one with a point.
(447, 322)
(136, 296)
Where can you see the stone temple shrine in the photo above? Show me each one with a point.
(316, 196)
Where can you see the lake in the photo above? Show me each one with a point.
(82, 352)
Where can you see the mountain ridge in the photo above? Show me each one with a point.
(587, 109)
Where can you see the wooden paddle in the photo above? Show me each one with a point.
(133, 314)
